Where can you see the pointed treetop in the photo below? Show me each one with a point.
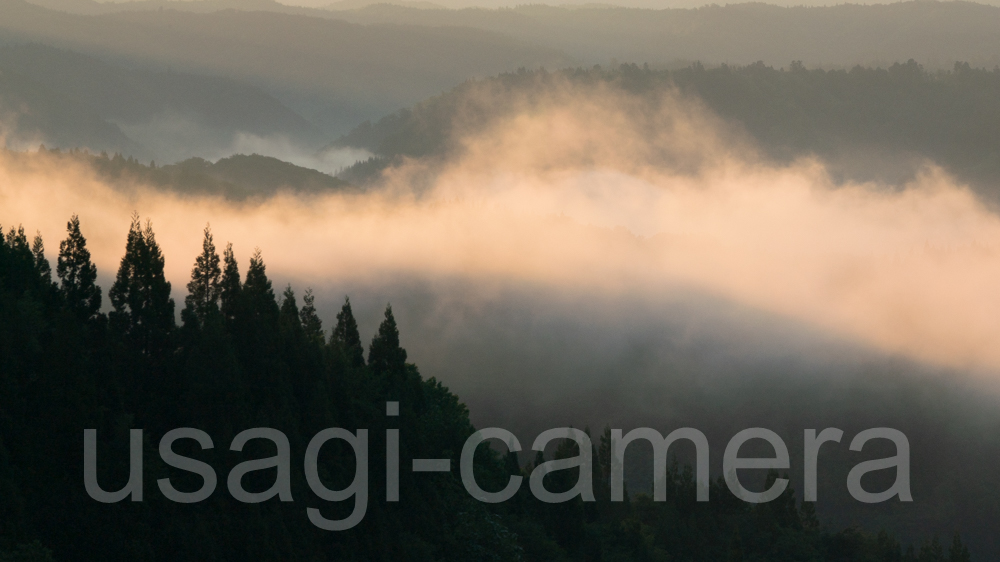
(77, 273)
(257, 280)
(204, 289)
(289, 306)
(143, 309)
(311, 324)
(17, 240)
(41, 264)
(289, 318)
(258, 294)
(230, 285)
(346, 337)
(385, 355)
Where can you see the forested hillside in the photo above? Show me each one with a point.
(865, 123)
(246, 354)
(238, 177)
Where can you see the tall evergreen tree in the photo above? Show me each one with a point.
(16, 238)
(290, 321)
(385, 356)
(77, 274)
(230, 287)
(205, 287)
(311, 324)
(143, 310)
(258, 294)
(17, 242)
(958, 552)
(931, 551)
(24, 264)
(41, 264)
(346, 338)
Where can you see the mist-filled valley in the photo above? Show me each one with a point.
(806, 242)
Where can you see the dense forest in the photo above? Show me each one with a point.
(866, 123)
(247, 355)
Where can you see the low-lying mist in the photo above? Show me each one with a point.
(587, 190)
(173, 138)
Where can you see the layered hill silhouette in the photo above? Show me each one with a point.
(238, 177)
(936, 33)
(333, 73)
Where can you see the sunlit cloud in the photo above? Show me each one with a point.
(595, 191)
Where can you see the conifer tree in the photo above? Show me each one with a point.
(932, 551)
(346, 337)
(21, 271)
(17, 240)
(958, 552)
(230, 287)
(77, 274)
(312, 326)
(205, 286)
(143, 310)
(385, 355)
(258, 293)
(290, 322)
(41, 264)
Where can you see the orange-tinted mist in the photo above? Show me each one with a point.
(589, 189)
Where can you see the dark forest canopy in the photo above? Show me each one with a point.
(247, 355)
(867, 123)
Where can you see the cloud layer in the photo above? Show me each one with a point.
(588, 190)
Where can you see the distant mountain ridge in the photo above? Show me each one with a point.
(936, 33)
(842, 34)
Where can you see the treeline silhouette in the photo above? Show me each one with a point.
(239, 177)
(243, 356)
